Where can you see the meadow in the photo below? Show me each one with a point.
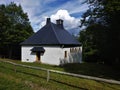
(30, 79)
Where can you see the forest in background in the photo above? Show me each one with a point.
(101, 37)
(14, 28)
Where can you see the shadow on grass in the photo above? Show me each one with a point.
(45, 78)
(108, 85)
(51, 80)
(93, 69)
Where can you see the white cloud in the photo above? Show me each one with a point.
(70, 23)
(82, 8)
(36, 14)
(71, 7)
(74, 6)
(38, 9)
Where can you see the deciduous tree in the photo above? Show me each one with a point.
(14, 27)
(104, 32)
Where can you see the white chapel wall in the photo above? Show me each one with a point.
(52, 55)
(27, 55)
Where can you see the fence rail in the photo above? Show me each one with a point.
(63, 73)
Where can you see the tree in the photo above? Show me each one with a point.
(94, 42)
(103, 16)
(15, 29)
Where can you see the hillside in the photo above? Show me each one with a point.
(30, 79)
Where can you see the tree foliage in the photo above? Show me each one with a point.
(102, 35)
(93, 40)
(14, 28)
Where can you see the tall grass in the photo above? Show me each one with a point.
(29, 79)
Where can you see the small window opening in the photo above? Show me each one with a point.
(65, 54)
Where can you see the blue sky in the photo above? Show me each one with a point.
(38, 10)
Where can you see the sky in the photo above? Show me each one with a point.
(38, 10)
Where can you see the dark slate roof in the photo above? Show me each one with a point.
(51, 34)
(35, 49)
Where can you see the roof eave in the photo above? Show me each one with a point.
(52, 45)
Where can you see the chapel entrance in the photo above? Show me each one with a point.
(38, 56)
(39, 52)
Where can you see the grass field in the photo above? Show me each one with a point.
(29, 79)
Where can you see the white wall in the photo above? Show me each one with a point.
(74, 56)
(27, 55)
(52, 55)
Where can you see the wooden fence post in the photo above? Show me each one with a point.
(48, 75)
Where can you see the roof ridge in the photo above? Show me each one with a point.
(55, 32)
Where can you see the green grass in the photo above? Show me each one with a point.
(29, 79)
(92, 69)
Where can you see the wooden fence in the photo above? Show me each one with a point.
(63, 73)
